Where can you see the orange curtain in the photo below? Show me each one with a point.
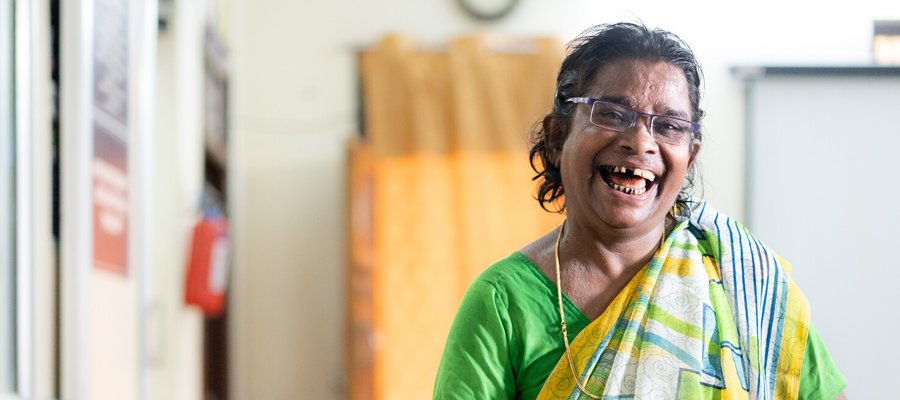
(440, 190)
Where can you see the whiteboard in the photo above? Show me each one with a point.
(823, 190)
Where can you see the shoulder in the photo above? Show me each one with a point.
(540, 252)
(504, 276)
(505, 294)
(484, 309)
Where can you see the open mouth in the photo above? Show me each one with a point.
(627, 180)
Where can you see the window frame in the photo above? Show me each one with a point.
(8, 318)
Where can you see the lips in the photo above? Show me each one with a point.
(633, 181)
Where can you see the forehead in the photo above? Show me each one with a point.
(650, 85)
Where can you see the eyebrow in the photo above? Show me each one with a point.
(627, 101)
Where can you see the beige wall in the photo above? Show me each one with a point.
(294, 98)
(114, 362)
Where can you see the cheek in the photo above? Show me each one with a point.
(679, 164)
(570, 154)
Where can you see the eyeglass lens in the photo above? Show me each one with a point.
(619, 118)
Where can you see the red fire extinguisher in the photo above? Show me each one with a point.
(207, 275)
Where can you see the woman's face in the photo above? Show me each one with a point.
(596, 194)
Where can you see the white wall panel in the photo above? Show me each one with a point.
(822, 192)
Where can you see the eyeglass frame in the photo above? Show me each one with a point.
(590, 101)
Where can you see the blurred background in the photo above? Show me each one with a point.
(269, 199)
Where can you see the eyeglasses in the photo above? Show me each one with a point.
(620, 118)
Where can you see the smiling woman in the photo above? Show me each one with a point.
(661, 296)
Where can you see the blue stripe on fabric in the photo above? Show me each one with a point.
(710, 385)
(712, 364)
(736, 349)
(741, 262)
(734, 229)
(765, 369)
(595, 358)
(754, 265)
(770, 296)
(592, 363)
(671, 348)
(718, 238)
(738, 357)
(747, 257)
(770, 265)
(765, 267)
(769, 362)
(735, 288)
(741, 371)
(780, 302)
(683, 371)
(756, 299)
(733, 267)
(779, 330)
(652, 338)
(775, 303)
(734, 275)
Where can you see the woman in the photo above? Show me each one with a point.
(641, 293)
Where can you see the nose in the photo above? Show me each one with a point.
(638, 138)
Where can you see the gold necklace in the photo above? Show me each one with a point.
(562, 319)
(562, 316)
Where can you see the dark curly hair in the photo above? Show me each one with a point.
(587, 54)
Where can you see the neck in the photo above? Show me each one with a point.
(610, 252)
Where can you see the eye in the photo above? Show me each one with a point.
(669, 127)
(610, 116)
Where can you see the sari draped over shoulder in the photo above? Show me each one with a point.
(713, 315)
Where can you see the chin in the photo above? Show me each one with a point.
(624, 219)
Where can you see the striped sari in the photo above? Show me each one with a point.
(714, 315)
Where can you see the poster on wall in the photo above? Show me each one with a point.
(110, 125)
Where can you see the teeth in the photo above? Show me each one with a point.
(643, 173)
(628, 190)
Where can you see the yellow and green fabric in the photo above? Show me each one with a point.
(714, 315)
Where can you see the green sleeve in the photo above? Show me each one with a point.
(819, 377)
(476, 362)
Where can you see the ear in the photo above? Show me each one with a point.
(696, 144)
(555, 156)
(554, 130)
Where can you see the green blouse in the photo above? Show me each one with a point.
(505, 339)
